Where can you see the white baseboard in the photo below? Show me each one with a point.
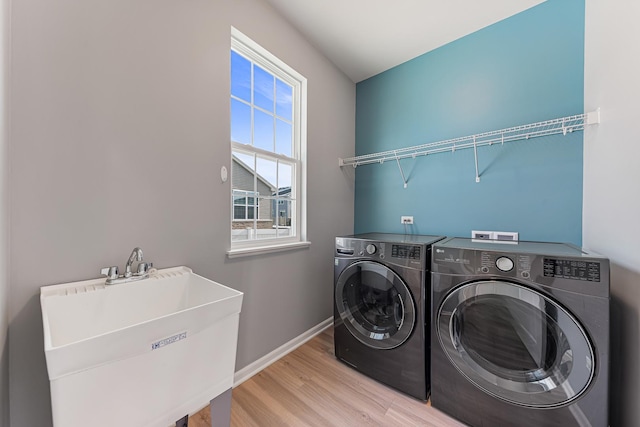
(253, 368)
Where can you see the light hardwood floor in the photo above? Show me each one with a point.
(310, 388)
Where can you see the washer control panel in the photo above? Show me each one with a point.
(513, 265)
(486, 262)
(571, 269)
(555, 266)
(405, 251)
(521, 266)
(415, 256)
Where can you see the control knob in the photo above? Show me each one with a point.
(504, 264)
(371, 249)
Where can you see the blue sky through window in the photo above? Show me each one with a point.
(263, 89)
(240, 77)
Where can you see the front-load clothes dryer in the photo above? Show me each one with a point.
(520, 334)
(381, 308)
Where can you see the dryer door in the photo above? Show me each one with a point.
(375, 304)
(515, 343)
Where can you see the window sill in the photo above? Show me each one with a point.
(279, 247)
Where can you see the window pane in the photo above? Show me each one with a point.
(267, 171)
(240, 122)
(242, 174)
(285, 177)
(250, 210)
(264, 213)
(263, 83)
(263, 130)
(238, 212)
(245, 158)
(240, 77)
(284, 100)
(283, 216)
(284, 138)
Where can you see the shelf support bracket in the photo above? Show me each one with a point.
(475, 154)
(593, 117)
(404, 180)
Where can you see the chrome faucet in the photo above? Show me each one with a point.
(142, 271)
(136, 255)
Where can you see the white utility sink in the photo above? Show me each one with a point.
(144, 353)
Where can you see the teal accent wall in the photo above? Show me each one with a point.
(524, 69)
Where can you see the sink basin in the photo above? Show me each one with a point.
(143, 353)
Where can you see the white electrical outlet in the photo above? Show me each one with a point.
(406, 220)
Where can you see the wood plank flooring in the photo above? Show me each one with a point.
(310, 388)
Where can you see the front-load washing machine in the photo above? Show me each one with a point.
(520, 334)
(381, 308)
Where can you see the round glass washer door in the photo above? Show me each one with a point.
(375, 305)
(516, 344)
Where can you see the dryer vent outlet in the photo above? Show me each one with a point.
(482, 235)
(500, 236)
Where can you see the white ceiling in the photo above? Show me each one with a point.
(366, 37)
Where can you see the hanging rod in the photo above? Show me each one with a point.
(561, 125)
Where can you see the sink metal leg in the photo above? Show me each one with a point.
(183, 422)
(221, 410)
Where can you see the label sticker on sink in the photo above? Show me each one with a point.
(170, 340)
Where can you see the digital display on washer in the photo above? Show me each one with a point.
(405, 251)
(572, 269)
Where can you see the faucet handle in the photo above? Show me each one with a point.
(144, 267)
(110, 272)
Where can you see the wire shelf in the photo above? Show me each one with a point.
(557, 126)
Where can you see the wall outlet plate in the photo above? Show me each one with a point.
(406, 220)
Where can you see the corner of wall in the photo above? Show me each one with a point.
(4, 215)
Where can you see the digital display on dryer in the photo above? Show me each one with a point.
(572, 269)
(405, 251)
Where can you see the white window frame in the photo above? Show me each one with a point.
(256, 53)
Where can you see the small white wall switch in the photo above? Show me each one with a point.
(406, 220)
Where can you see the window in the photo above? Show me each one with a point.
(268, 149)
(244, 205)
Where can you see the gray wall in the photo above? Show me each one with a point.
(611, 177)
(120, 126)
(4, 175)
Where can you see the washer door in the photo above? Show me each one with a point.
(375, 304)
(515, 344)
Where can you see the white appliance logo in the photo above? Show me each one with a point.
(440, 251)
(170, 340)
